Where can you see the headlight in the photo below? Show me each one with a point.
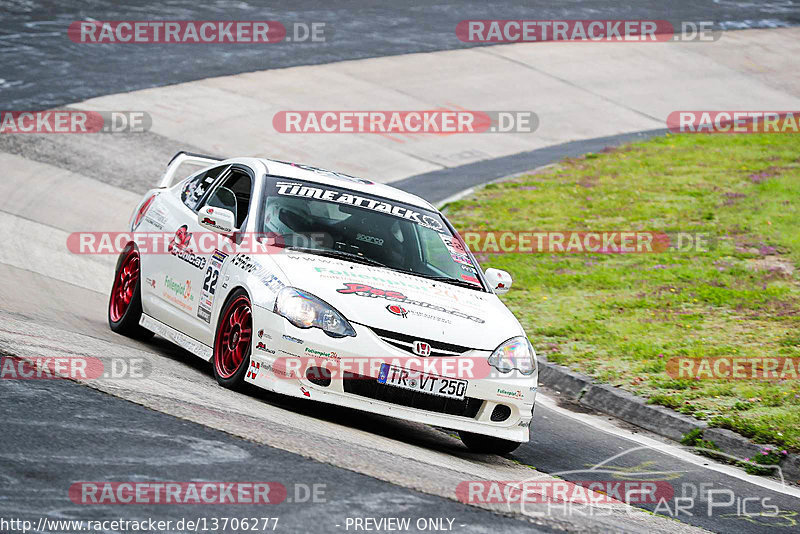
(516, 353)
(304, 310)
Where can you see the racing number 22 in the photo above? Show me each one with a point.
(210, 282)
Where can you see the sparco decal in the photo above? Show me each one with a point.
(179, 247)
(294, 189)
(364, 290)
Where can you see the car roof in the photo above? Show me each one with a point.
(338, 179)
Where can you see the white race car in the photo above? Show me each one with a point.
(320, 285)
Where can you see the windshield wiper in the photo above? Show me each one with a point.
(453, 281)
(340, 254)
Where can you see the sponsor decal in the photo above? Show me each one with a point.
(261, 346)
(305, 392)
(467, 268)
(510, 394)
(181, 290)
(456, 250)
(329, 174)
(179, 247)
(252, 372)
(397, 310)
(179, 293)
(364, 290)
(251, 266)
(209, 288)
(370, 239)
(525, 424)
(245, 263)
(281, 372)
(470, 279)
(150, 282)
(263, 335)
(152, 221)
(350, 198)
(363, 271)
(213, 222)
(323, 354)
(292, 339)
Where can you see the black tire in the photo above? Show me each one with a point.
(231, 374)
(487, 444)
(124, 314)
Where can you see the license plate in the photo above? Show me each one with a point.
(452, 388)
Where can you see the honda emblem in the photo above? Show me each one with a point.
(421, 348)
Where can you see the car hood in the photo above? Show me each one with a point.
(403, 303)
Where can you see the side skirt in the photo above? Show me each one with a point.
(179, 338)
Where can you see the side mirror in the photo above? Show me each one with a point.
(216, 219)
(499, 281)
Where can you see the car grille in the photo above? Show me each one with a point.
(406, 343)
(369, 387)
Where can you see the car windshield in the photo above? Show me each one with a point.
(326, 220)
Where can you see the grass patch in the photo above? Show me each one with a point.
(620, 317)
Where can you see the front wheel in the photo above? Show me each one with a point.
(232, 341)
(125, 302)
(487, 444)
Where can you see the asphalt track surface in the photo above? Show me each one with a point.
(86, 435)
(55, 433)
(111, 439)
(42, 68)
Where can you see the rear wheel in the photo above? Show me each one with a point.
(487, 444)
(125, 302)
(232, 341)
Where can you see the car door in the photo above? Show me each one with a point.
(175, 274)
(232, 191)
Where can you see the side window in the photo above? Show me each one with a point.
(233, 193)
(196, 188)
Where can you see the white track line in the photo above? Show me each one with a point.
(600, 423)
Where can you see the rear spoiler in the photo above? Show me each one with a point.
(190, 158)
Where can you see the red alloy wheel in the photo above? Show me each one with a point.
(233, 337)
(124, 286)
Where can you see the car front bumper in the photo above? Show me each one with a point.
(282, 353)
